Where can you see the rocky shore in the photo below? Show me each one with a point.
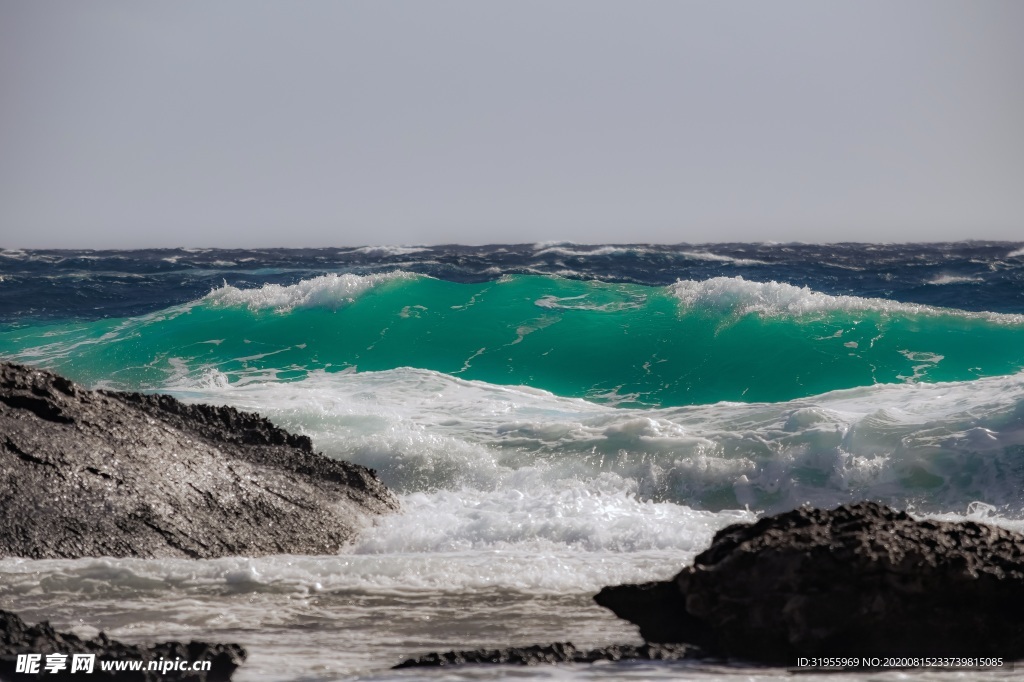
(861, 580)
(16, 637)
(99, 473)
(561, 652)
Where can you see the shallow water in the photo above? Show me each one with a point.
(339, 618)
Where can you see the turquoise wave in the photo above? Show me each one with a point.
(689, 343)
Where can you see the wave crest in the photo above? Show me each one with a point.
(740, 296)
(327, 291)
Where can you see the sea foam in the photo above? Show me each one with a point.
(468, 445)
(574, 251)
(326, 291)
(953, 279)
(390, 250)
(741, 296)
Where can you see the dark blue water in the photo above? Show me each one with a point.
(70, 284)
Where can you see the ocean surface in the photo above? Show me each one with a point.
(554, 418)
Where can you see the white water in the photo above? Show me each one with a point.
(741, 296)
(518, 505)
(470, 446)
(953, 279)
(326, 291)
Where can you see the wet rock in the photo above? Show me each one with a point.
(859, 580)
(562, 652)
(97, 473)
(18, 638)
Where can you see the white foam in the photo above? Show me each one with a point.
(708, 256)
(327, 291)
(740, 296)
(546, 570)
(940, 280)
(390, 250)
(1017, 253)
(568, 250)
(518, 505)
(582, 302)
(531, 518)
(468, 445)
(575, 251)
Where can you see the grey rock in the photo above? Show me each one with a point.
(18, 638)
(561, 652)
(859, 580)
(98, 473)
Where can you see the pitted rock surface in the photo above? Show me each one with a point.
(97, 473)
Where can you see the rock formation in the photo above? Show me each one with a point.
(97, 473)
(562, 652)
(18, 638)
(859, 580)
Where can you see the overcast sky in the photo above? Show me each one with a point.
(245, 123)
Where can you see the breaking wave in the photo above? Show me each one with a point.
(692, 342)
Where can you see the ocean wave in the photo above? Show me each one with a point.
(327, 291)
(390, 250)
(173, 276)
(518, 504)
(741, 296)
(933, 447)
(580, 251)
(569, 250)
(623, 344)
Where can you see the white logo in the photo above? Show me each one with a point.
(28, 663)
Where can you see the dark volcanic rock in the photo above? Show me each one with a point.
(659, 608)
(18, 638)
(96, 473)
(859, 580)
(562, 652)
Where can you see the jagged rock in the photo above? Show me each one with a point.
(18, 638)
(561, 652)
(97, 473)
(859, 580)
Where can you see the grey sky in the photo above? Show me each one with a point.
(245, 123)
